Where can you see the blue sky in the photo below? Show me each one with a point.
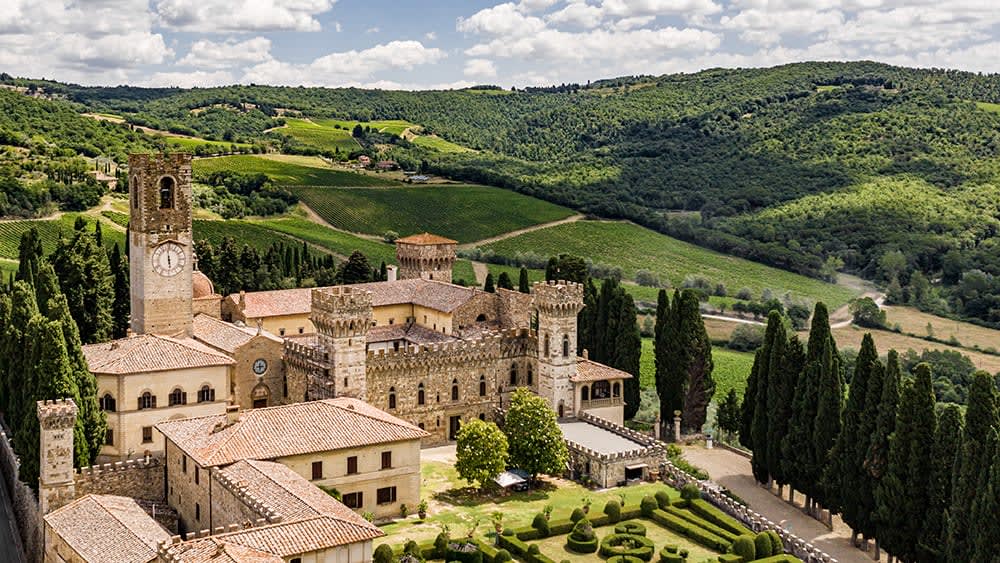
(421, 44)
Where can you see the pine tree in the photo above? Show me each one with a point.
(85, 280)
(46, 286)
(971, 464)
(488, 287)
(844, 476)
(628, 349)
(669, 388)
(947, 437)
(698, 362)
(122, 308)
(522, 281)
(355, 269)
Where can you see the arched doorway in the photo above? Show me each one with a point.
(260, 396)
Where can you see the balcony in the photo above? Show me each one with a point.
(601, 403)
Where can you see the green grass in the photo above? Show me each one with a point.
(438, 144)
(632, 247)
(463, 270)
(186, 143)
(288, 170)
(391, 126)
(320, 136)
(988, 106)
(116, 217)
(49, 230)
(555, 546)
(466, 213)
(335, 241)
(730, 372)
(244, 232)
(515, 273)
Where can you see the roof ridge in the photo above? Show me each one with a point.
(115, 517)
(401, 424)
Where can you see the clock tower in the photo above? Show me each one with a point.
(160, 243)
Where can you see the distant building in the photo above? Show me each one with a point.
(365, 161)
(387, 165)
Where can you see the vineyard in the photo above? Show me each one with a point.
(242, 231)
(631, 247)
(191, 143)
(321, 136)
(288, 170)
(438, 144)
(391, 126)
(334, 241)
(464, 213)
(49, 231)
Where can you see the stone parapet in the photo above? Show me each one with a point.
(141, 478)
(558, 297)
(341, 311)
(461, 352)
(251, 501)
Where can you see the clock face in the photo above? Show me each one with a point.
(169, 259)
(260, 366)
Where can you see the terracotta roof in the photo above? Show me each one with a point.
(433, 294)
(225, 336)
(283, 540)
(300, 428)
(217, 550)
(589, 370)
(425, 239)
(149, 353)
(201, 286)
(108, 529)
(411, 333)
(290, 495)
(276, 303)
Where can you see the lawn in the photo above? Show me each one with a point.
(731, 368)
(325, 137)
(632, 247)
(555, 546)
(466, 213)
(463, 271)
(289, 170)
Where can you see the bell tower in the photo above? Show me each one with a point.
(160, 243)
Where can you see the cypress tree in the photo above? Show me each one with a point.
(947, 437)
(587, 319)
(228, 276)
(504, 281)
(29, 256)
(844, 476)
(877, 459)
(85, 280)
(522, 281)
(122, 308)
(829, 414)
(749, 405)
(971, 464)
(759, 424)
(383, 271)
(46, 286)
(781, 395)
(5, 306)
(488, 286)
(983, 540)
(867, 482)
(627, 351)
(98, 234)
(17, 344)
(669, 389)
(697, 366)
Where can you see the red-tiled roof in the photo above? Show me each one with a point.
(149, 353)
(425, 239)
(589, 370)
(108, 528)
(283, 540)
(276, 303)
(300, 428)
(225, 336)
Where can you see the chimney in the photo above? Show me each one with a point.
(243, 300)
(232, 414)
(390, 273)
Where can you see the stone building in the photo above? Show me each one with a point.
(426, 256)
(257, 374)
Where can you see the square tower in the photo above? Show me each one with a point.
(160, 243)
(557, 304)
(426, 256)
(55, 466)
(342, 316)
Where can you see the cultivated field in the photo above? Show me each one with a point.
(335, 241)
(289, 170)
(465, 213)
(850, 337)
(912, 321)
(49, 231)
(391, 126)
(191, 143)
(244, 232)
(320, 136)
(437, 143)
(632, 247)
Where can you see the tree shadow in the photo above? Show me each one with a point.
(469, 496)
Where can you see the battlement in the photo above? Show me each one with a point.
(100, 471)
(239, 490)
(59, 414)
(486, 348)
(558, 297)
(140, 478)
(341, 311)
(165, 551)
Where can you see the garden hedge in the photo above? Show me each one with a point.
(690, 492)
(745, 548)
(648, 505)
(701, 523)
(777, 545)
(695, 533)
(582, 539)
(630, 527)
(625, 559)
(730, 558)
(613, 545)
(464, 552)
(705, 509)
(762, 545)
(560, 527)
(613, 509)
(541, 523)
(662, 499)
(383, 554)
(785, 558)
(667, 557)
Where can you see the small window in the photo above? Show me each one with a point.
(109, 436)
(147, 401)
(107, 403)
(135, 192)
(147, 434)
(546, 345)
(352, 465)
(420, 426)
(513, 374)
(197, 512)
(386, 495)
(184, 464)
(167, 193)
(353, 500)
(317, 470)
(392, 397)
(281, 331)
(302, 329)
(531, 376)
(206, 394)
(585, 393)
(177, 397)
(482, 385)
(481, 318)
(391, 321)
(197, 475)
(482, 416)
(454, 389)
(421, 397)
(565, 345)
(296, 560)
(616, 390)
(386, 460)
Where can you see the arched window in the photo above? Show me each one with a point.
(482, 385)
(585, 393)
(565, 345)
(147, 401)
(546, 345)
(206, 394)
(420, 394)
(177, 397)
(135, 192)
(167, 187)
(562, 409)
(531, 376)
(107, 403)
(481, 318)
(482, 416)
(392, 397)
(600, 390)
(260, 395)
(513, 374)
(616, 390)
(454, 389)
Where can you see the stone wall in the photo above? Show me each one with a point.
(29, 520)
(515, 308)
(232, 504)
(136, 478)
(245, 380)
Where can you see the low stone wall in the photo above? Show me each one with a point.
(26, 513)
(137, 478)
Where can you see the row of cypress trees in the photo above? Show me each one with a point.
(683, 357)
(916, 476)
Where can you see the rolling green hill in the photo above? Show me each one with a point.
(289, 170)
(320, 136)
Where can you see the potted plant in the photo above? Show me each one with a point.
(422, 509)
(403, 511)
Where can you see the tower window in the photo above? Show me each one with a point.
(454, 389)
(565, 345)
(135, 192)
(482, 385)
(107, 403)
(531, 376)
(167, 187)
(392, 397)
(420, 394)
(546, 345)
(513, 374)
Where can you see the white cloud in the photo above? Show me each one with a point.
(502, 19)
(430, 36)
(633, 8)
(633, 22)
(349, 68)
(577, 13)
(483, 68)
(189, 79)
(598, 45)
(216, 16)
(227, 54)
(337, 27)
(372, 30)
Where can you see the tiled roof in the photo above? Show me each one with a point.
(411, 333)
(225, 336)
(300, 428)
(588, 370)
(217, 550)
(425, 239)
(290, 495)
(276, 303)
(283, 539)
(108, 528)
(148, 353)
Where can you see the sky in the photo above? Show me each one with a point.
(435, 44)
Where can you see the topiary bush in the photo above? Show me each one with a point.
(730, 558)
(662, 499)
(533, 549)
(502, 556)
(541, 523)
(777, 546)
(464, 552)
(441, 545)
(577, 515)
(762, 545)
(614, 511)
(648, 505)
(582, 539)
(745, 548)
(631, 527)
(625, 559)
(690, 492)
(627, 544)
(383, 554)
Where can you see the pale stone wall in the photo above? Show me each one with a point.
(514, 309)
(189, 499)
(427, 261)
(245, 381)
(136, 478)
(342, 316)
(398, 314)
(360, 552)
(57, 550)
(231, 505)
(55, 476)
(211, 306)
(433, 319)
(557, 305)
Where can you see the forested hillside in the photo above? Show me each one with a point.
(812, 167)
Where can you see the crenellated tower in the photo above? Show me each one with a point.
(342, 316)
(55, 471)
(426, 256)
(160, 243)
(556, 305)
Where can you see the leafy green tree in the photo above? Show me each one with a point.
(947, 438)
(748, 407)
(227, 277)
(534, 439)
(504, 281)
(728, 414)
(522, 281)
(697, 355)
(869, 422)
(829, 414)
(355, 269)
(481, 452)
(488, 287)
(29, 255)
(567, 267)
(867, 313)
(17, 344)
(85, 279)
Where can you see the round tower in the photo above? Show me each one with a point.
(556, 305)
(342, 316)
(426, 256)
